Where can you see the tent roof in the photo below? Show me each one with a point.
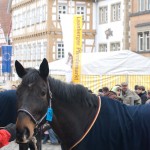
(119, 62)
(59, 67)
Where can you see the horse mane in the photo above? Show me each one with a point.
(64, 91)
(73, 93)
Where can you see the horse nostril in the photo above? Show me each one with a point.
(22, 134)
(26, 132)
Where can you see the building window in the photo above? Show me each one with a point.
(115, 9)
(60, 51)
(62, 9)
(103, 15)
(38, 51)
(18, 21)
(144, 5)
(144, 41)
(115, 46)
(102, 47)
(14, 23)
(141, 40)
(43, 50)
(32, 51)
(148, 4)
(28, 52)
(38, 13)
(81, 10)
(141, 5)
(147, 40)
(28, 18)
(32, 15)
(23, 19)
(44, 13)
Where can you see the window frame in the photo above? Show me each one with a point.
(32, 16)
(58, 11)
(116, 12)
(116, 45)
(104, 16)
(38, 15)
(61, 50)
(14, 22)
(28, 18)
(80, 13)
(139, 41)
(140, 6)
(104, 47)
(44, 13)
(148, 4)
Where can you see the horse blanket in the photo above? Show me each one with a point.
(8, 110)
(119, 127)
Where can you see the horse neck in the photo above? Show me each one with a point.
(71, 119)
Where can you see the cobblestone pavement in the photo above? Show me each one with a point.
(14, 146)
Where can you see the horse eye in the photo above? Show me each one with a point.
(43, 93)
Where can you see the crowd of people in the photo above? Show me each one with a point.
(123, 94)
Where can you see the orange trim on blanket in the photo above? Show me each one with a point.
(99, 103)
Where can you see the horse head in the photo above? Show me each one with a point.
(32, 99)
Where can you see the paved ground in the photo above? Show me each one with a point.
(14, 146)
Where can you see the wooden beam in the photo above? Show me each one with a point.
(49, 37)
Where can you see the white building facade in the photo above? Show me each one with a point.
(111, 28)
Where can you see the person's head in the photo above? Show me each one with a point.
(116, 89)
(136, 87)
(124, 86)
(140, 89)
(100, 92)
(148, 93)
(105, 89)
(90, 91)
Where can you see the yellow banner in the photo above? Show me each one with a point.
(77, 48)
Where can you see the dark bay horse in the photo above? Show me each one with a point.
(81, 120)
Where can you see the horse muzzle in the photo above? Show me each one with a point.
(24, 130)
(22, 135)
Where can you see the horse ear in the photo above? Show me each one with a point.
(44, 69)
(19, 69)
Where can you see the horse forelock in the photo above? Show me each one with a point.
(31, 77)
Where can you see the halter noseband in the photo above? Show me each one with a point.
(38, 122)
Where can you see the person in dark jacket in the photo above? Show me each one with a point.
(142, 94)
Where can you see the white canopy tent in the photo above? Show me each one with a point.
(59, 67)
(123, 62)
